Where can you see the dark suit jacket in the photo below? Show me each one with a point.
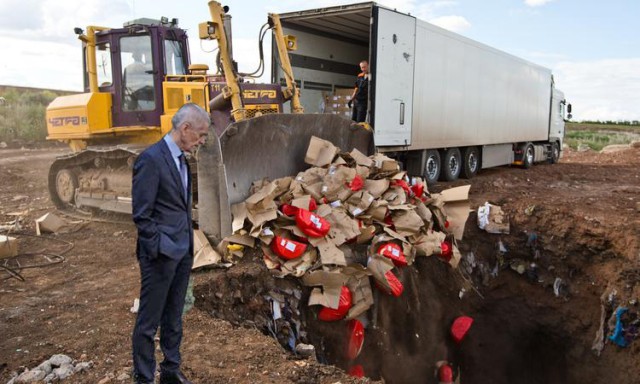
(161, 210)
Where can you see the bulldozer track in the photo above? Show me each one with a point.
(75, 161)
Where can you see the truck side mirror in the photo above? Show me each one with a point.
(569, 108)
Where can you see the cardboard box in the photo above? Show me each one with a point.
(385, 164)
(203, 252)
(331, 283)
(341, 113)
(49, 223)
(457, 209)
(8, 246)
(320, 152)
(343, 92)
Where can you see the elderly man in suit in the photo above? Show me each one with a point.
(162, 213)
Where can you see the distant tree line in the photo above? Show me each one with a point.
(612, 122)
(22, 113)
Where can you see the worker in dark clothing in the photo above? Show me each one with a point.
(360, 94)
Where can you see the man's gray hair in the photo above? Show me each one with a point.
(189, 113)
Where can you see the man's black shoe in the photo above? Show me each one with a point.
(173, 378)
(138, 380)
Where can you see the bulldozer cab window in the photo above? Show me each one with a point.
(103, 63)
(174, 60)
(137, 74)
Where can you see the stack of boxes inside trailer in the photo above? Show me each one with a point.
(337, 102)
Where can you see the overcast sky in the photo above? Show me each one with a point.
(592, 46)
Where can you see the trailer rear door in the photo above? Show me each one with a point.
(393, 57)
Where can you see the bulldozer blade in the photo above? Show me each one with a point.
(269, 146)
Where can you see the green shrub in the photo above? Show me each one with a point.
(22, 116)
(23, 122)
(597, 140)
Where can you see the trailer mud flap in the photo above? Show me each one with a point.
(269, 146)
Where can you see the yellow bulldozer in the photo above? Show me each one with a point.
(136, 77)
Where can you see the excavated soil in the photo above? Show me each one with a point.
(578, 221)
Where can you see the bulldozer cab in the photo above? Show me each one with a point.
(132, 63)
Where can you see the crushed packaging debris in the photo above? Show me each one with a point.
(492, 219)
(457, 209)
(331, 283)
(320, 152)
(49, 223)
(344, 304)
(203, 252)
(8, 246)
(346, 222)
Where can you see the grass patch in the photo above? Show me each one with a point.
(598, 139)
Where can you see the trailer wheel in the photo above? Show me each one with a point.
(432, 166)
(470, 162)
(451, 164)
(555, 153)
(528, 155)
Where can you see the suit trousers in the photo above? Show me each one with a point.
(164, 282)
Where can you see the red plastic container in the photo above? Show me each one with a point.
(287, 249)
(394, 252)
(417, 189)
(395, 286)
(356, 371)
(445, 374)
(290, 210)
(446, 251)
(311, 224)
(460, 328)
(330, 314)
(402, 184)
(357, 183)
(356, 339)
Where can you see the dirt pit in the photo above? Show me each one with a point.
(583, 212)
(535, 293)
(523, 331)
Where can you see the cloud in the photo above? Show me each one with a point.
(60, 17)
(37, 36)
(432, 12)
(452, 23)
(54, 20)
(536, 3)
(606, 89)
(40, 64)
(546, 57)
(19, 15)
(432, 9)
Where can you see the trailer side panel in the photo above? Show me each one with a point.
(467, 93)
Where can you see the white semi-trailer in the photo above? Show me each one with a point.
(444, 104)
